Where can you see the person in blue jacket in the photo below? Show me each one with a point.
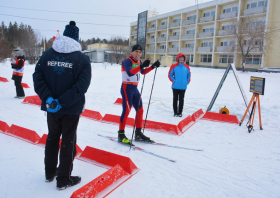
(180, 76)
(61, 79)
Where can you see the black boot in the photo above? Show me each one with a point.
(140, 137)
(51, 175)
(63, 184)
(123, 139)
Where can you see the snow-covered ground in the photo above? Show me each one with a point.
(234, 163)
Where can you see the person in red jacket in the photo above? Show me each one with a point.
(18, 69)
(180, 76)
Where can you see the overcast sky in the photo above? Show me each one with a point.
(29, 11)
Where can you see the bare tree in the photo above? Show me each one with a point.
(118, 51)
(248, 36)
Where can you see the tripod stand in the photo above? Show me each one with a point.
(255, 99)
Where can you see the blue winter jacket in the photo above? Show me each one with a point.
(64, 73)
(179, 74)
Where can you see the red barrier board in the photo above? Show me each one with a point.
(4, 127)
(113, 177)
(3, 79)
(218, 117)
(24, 134)
(197, 115)
(185, 124)
(95, 115)
(118, 101)
(43, 140)
(108, 159)
(109, 118)
(32, 100)
(25, 85)
(161, 127)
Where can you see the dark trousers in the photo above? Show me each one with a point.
(65, 125)
(19, 88)
(178, 94)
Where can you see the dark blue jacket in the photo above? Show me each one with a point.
(64, 73)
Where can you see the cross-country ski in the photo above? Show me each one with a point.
(137, 148)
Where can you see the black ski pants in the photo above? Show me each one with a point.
(178, 94)
(19, 88)
(65, 125)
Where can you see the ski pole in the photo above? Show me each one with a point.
(149, 100)
(138, 108)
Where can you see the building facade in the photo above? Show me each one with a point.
(201, 32)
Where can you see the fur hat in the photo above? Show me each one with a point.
(72, 31)
(136, 47)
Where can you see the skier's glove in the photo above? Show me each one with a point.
(54, 106)
(156, 64)
(146, 63)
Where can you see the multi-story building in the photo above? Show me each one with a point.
(201, 32)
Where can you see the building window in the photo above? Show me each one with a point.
(207, 44)
(162, 35)
(153, 25)
(163, 23)
(206, 58)
(176, 20)
(228, 27)
(254, 60)
(152, 36)
(208, 29)
(190, 32)
(191, 17)
(189, 45)
(206, 14)
(160, 57)
(224, 58)
(174, 58)
(189, 57)
(162, 47)
(234, 9)
(175, 34)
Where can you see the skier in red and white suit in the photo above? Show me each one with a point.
(131, 69)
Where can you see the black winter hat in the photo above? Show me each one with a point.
(136, 47)
(72, 31)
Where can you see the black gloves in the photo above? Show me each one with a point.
(13, 66)
(146, 63)
(156, 64)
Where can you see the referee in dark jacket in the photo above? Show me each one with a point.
(61, 79)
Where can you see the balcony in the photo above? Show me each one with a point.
(228, 15)
(161, 51)
(133, 42)
(256, 10)
(187, 49)
(173, 50)
(150, 51)
(173, 38)
(206, 19)
(187, 36)
(161, 39)
(162, 27)
(134, 32)
(225, 49)
(189, 22)
(172, 25)
(226, 32)
(205, 34)
(152, 40)
(204, 49)
(254, 49)
(152, 29)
